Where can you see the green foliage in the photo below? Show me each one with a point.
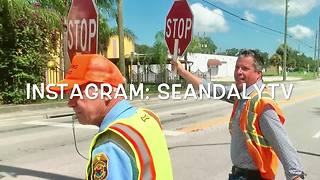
(232, 52)
(30, 32)
(104, 35)
(295, 60)
(126, 32)
(303, 62)
(143, 49)
(263, 57)
(202, 45)
(160, 53)
(28, 35)
(145, 54)
(107, 8)
(276, 60)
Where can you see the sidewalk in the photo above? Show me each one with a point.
(47, 110)
(265, 78)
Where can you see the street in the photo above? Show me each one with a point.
(37, 145)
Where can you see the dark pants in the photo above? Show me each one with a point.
(236, 177)
(244, 174)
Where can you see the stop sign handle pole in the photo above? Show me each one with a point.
(175, 55)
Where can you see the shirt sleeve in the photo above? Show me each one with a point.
(277, 137)
(120, 166)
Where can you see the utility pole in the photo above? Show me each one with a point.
(315, 55)
(65, 61)
(318, 49)
(122, 63)
(284, 69)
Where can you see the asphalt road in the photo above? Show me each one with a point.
(33, 146)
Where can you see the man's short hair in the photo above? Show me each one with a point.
(258, 62)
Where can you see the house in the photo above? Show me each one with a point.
(113, 48)
(212, 65)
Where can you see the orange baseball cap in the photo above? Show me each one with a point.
(87, 68)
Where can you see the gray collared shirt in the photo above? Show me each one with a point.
(273, 131)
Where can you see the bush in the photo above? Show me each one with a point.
(26, 39)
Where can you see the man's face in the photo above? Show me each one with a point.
(245, 72)
(88, 111)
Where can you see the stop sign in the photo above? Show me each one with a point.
(82, 28)
(179, 23)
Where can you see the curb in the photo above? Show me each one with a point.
(10, 108)
(16, 108)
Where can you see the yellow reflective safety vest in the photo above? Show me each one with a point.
(143, 133)
(259, 149)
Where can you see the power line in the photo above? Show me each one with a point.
(244, 25)
(256, 24)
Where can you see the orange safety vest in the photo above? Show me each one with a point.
(259, 149)
(142, 135)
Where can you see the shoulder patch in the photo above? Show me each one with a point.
(100, 166)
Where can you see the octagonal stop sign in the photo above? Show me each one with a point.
(82, 28)
(179, 23)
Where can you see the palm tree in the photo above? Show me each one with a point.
(105, 33)
(276, 60)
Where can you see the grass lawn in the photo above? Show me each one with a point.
(303, 75)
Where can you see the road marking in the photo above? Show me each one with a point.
(80, 126)
(205, 124)
(317, 135)
(63, 125)
(172, 133)
(297, 99)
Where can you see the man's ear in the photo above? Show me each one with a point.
(112, 95)
(259, 75)
(107, 100)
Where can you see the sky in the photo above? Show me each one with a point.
(146, 17)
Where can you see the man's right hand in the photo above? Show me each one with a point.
(176, 65)
(188, 76)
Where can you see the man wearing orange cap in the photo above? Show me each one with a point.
(130, 143)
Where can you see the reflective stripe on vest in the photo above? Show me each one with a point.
(251, 130)
(143, 134)
(136, 139)
(259, 149)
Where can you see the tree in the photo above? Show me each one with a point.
(106, 10)
(28, 37)
(105, 33)
(264, 56)
(202, 45)
(30, 33)
(160, 53)
(291, 55)
(296, 61)
(276, 60)
(232, 52)
(59, 7)
(142, 49)
(304, 63)
(126, 32)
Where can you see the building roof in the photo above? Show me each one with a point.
(213, 62)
